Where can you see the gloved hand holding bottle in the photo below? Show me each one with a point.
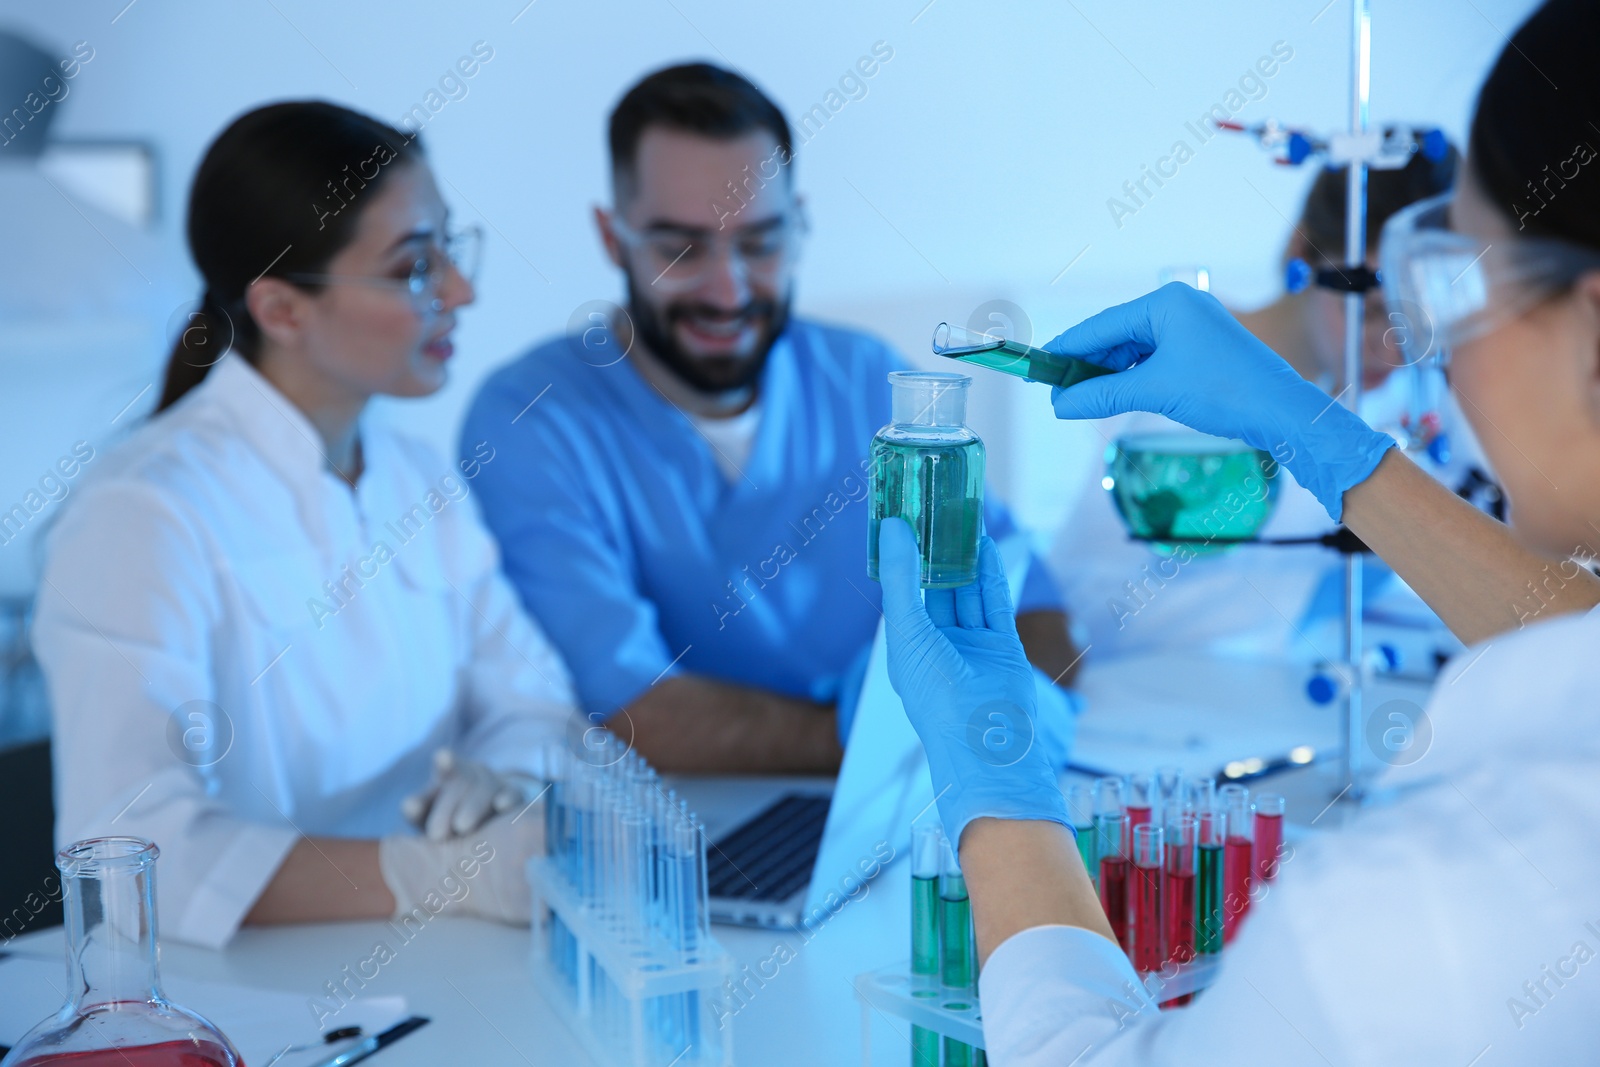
(1184, 356)
(967, 687)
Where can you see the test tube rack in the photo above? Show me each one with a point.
(623, 1001)
(921, 1001)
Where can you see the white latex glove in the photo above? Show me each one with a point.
(462, 796)
(482, 874)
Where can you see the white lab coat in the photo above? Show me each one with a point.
(1249, 601)
(234, 661)
(1462, 917)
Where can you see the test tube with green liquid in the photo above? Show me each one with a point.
(958, 950)
(927, 854)
(1208, 883)
(1080, 807)
(998, 352)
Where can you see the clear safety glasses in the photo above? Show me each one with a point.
(461, 248)
(674, 259)
(1445, 288)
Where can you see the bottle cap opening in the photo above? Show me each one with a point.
(929, 398)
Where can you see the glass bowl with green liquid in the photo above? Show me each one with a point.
(1190, 490)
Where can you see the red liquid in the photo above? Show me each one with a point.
(1147, 919)
(1114, 895)
(1269, 838)
(164, 1054)
(1178, 907)
(1236, 881)
(1136, 817)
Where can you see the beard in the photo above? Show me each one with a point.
(709, 375)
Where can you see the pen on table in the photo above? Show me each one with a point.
(362, 1049)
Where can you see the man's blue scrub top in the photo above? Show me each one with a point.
(641, 559)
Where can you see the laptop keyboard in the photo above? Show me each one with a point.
(770, 856)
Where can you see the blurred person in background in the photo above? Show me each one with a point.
(682, 493)
(1251, 601)
(264, 617)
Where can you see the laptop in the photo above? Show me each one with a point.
(811, 843)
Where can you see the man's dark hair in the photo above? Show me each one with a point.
(1322, 219)
(695, 98)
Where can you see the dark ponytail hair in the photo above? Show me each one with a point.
(278, 193)
(1533, 150)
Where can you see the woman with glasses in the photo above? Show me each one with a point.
(1454, 918)
(273, 629)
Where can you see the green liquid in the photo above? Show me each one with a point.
(957, 951)
(925, 925)
(924, 1048)
(937, 487)
(1034, 364)
(1208, 899)
(1205, 500)
(957, 1054)
(1086, 849)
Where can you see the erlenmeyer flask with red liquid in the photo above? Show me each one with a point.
(116, 1014)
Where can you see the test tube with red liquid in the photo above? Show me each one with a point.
(1147, 876)
(1111, 844)
(1177, 892)
(1269, 835)
(1139, 798)
(1238, 858)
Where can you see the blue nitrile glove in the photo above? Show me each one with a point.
(967, 687)
(1196, 365)
(1056, 712)
(849, 698)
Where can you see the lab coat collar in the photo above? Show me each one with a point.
(277, 429)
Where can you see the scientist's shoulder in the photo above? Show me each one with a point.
(849, 349)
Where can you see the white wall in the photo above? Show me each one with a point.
(978, 164)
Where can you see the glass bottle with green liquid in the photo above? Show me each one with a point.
(927, 468)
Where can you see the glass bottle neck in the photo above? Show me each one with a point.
(111, 935)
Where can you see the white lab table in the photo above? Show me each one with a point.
(473, 979)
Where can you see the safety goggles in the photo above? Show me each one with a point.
(461, 249)
(675, 259)
(1444, 288)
